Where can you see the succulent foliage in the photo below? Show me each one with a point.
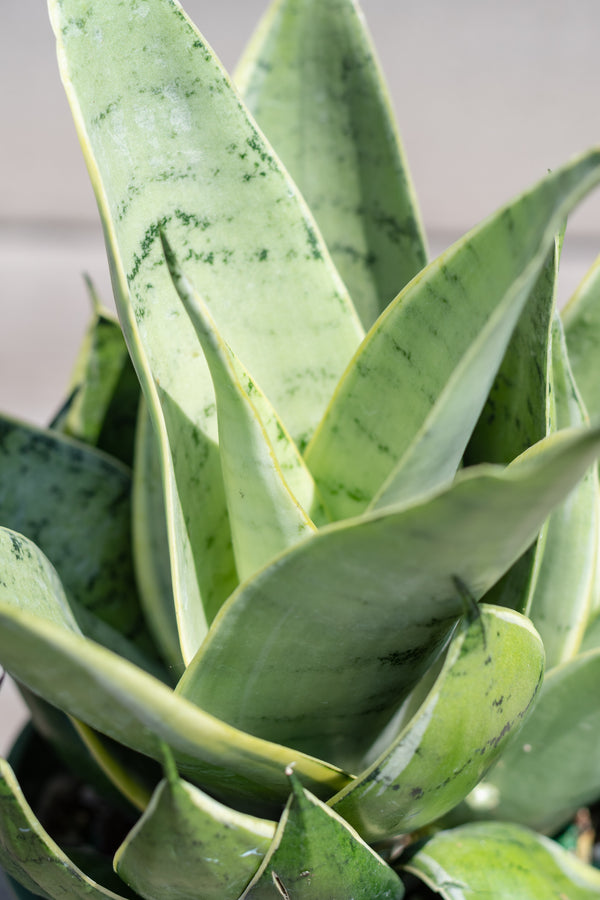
(303, 575)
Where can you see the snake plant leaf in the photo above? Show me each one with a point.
(265, 514)
(122, 701)
(402, 414)
(187, 845)
(490, 678)
(151, 543)
(311, 78)
(29, 854)
(315, 854)
(503, 861)
(74, 502)
(104, 393)
(517, 411)
(560, 600)
(552, 768)
(374, 584)
(237, 219)
(581, 318)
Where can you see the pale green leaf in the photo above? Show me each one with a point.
(503, 862)
(122, 701)
(487, 686)
(553, 767)
(104, 391)
(368, 598)
(315, 855)
(581, 318)
(311, 78)
(402, 414)
(150, 543)
(169, 144)
(560, 596)
(187, 845)
(266, 516)
(29, 854)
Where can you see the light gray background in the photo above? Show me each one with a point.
(489, 96)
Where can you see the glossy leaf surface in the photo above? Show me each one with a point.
(122, 701)
(315, 854)
(403, 413)
(311, 78)
(553, 767)
(491, 675)
(375, 581)
(502, 861)
(152, 83)
(187, 845)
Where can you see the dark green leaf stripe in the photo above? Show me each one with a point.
(375, 581)
(402, 415)
(168, 144)
(311, 78)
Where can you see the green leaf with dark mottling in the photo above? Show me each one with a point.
(104, 392)
(581, 318)
(340, 628)
(311, 78)
(315, 855)
(487, 686)
(553, 767)
(270, 492)
(186, 845)
(29, 854)
(122, 701)
(563, 582)
(168, 143)
(403, 413)
(74, 502)
(503, 862)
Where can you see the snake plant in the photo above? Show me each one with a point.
(302, 578)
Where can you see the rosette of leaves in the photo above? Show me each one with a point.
(272, 571)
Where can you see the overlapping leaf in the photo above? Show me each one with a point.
(375, 581)
(491, 675)
(315, 854)
(187, 845)
(124, 702)
(553, 766)
(502, 861)
(169, 144)
(311, 78)
(581, 318)
(402, 415)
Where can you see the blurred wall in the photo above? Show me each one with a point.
(489, 95)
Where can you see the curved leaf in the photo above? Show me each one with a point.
(186, 845)
(581, 318)
(491, 676)
(29, 854)
(315, 854)
(168, 143)
(265, 514)
(403, 413)
(503, 861)
(368, 597)
(124, 702)
(553, 767)
(311, 78)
